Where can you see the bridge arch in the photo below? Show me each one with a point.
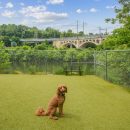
(88, 44)
(70, 45)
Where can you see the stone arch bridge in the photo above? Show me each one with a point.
(80, 42)
(77, 43)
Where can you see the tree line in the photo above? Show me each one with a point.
(12, 32)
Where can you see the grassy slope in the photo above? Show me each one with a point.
(91, 103)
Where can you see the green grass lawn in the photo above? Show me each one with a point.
(91, 103)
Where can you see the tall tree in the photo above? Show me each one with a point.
(122, 13)
(120, 38)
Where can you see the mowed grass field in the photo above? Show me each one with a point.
(91, 103)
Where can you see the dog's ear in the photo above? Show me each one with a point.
(66, 89)
(58, 89)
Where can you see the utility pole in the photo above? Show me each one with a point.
(100, 31)
(77, 28)
(106, 31)
(83, 28)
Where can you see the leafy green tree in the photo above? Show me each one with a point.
(121, 36)
(6, 40)
(25, 47)
(69, 33)
(44, 46)
(71, 54)
(50, 32)
(81, 33)
(4, 58)
(122, 13)
(1, 44)
(16, 40)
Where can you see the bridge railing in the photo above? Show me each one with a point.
(62, 38)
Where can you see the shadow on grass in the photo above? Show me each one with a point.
(70, 116)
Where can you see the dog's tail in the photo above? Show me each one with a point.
(40, 112)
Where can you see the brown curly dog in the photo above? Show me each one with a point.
(56, 102)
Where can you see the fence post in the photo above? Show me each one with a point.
(46, 63)
(95, 62)
(106, 71)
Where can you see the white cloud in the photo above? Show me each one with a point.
(79, 11)
(93, 10)
(9, 5)
(50, 17)
(55, 2)
(32, 10)
(8, 14)
(110, 7)
(41, 15)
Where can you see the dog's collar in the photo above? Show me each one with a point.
(62, 94)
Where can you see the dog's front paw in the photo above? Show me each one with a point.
(61, 114)
(53, 117)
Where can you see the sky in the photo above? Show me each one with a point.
(59, 14)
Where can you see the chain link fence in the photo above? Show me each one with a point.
(50, 62)
(113, 66)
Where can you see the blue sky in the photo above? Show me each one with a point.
(60, 14)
